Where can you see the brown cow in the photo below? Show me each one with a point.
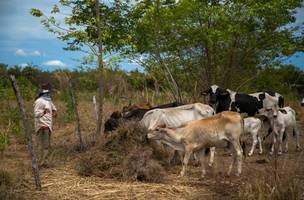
(196, 136)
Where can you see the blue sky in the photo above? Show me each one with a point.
(24, 40)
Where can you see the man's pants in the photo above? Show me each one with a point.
(43, 143)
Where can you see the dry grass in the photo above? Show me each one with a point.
(63, 183)
(124, 155)
(114, 155)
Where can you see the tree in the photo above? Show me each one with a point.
(83, 28)
(215, 41)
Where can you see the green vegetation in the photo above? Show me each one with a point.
(208, 42)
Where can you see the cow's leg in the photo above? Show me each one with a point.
(188, 153)
(281, 133)
(286, 142)
(260, 145)
(254, 142)
(237, 157)
(201, 156)
(296, 132)
(212, 152)
(273, 143)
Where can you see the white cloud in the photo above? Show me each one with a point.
(20, 52)
(23, 65)
(55, 63)
(35, 53)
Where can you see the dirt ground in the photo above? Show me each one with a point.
(61, 181)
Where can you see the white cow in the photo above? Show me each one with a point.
(253, 125)
(176, 117)
(281, 119)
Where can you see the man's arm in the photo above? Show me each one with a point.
(54, 110)
(39, 109)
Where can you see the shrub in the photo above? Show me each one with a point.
(124, 155)
(8, 183)
(84, 167)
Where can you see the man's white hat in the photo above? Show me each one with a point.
(45, 91)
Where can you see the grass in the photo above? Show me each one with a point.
(9, 182)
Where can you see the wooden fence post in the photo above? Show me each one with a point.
(95, 108)
(28, 132)
(77, 118)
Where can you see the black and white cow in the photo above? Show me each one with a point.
(224, 99)
(302, 103)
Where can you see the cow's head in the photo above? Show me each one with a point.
(270, 102)
(116, 115)
(270, 112)
(215, 95)
(127, 110)
(157, 134)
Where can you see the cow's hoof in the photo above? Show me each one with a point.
(237, 174)
(210, 164)
(261, 152)
(280, 153)
(299, 149)
(249, 154)
(271, 153)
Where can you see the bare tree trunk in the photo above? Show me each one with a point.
(75, 106)
(172, 82)
(28, 133)
(99, 130)
(176, 88)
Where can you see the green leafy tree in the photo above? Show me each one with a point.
(222, 42)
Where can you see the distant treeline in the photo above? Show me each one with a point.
(286, 79)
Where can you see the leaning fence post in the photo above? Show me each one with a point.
(28, 132)
(95, 108)
(76, 113)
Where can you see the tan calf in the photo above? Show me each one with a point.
(196, 136)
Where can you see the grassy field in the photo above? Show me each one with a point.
(61, 179)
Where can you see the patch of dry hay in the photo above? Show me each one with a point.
(64, 184)
(124, 155)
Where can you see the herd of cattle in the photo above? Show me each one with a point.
(193, 128)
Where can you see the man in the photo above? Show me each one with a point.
(44, 111)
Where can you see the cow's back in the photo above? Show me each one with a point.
(177, 116)
(221, 126)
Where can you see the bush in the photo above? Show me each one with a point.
(138, 165)
(268, 190)
(8, 183)
(84, 167)
(124, 155)
(4, 141)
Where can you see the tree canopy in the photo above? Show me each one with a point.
(187, 43)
